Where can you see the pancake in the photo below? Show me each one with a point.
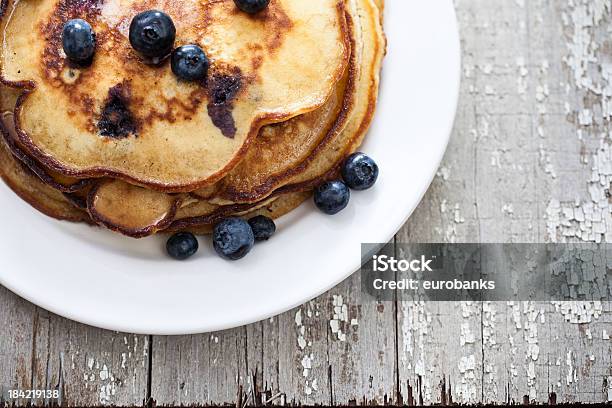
(181, 136)
(280, 146)
(24, 176)
(266, 165)
(8, 98)
(201, 211)
(350, 127)
(371, 48)
(32, 190)
(53, 179)
(380, 4)
(281, 150)
(8, 101)
(139, 212)
(275, 209)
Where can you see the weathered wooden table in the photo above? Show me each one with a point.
(530, 161)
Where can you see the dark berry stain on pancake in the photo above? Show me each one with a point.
(116, 119)
(222, 90)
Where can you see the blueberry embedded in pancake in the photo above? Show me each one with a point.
(152, 34)
(79, 41)
(222, 90)
(290, 56)
(190, 63)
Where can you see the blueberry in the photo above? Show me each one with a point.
(79, 41)
(152, 33)
(360, 172)
(182, 246)
(190, 63)
(263, 227)
(252, 6)
(233, 238)
(332, 197)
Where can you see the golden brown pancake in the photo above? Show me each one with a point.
(342, 139)
(8, 101)
(380, 4)
(8, 98)
(274, 209)
(32, 190)
(339, 144)
(202, 210)
(53, 179)
(271, 159)
(274, 157)
(28, 179)
(281, 150)
(139, 212)
(265, 69)
(371, 47)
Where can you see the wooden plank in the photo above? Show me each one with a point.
(362, 346)
(88, 366)
(525, 174)
(440, 349)
(303, 369)
(199, 369)
(15, 345)
(335, 349)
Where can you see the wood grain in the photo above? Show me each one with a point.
(88, 366)
(529, 161)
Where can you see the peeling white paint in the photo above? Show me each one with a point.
(579, 312)
(339, 318)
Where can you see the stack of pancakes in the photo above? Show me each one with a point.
(291, 92)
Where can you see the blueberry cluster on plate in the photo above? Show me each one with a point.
(233, 238)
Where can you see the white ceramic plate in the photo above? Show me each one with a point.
(104, 280)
